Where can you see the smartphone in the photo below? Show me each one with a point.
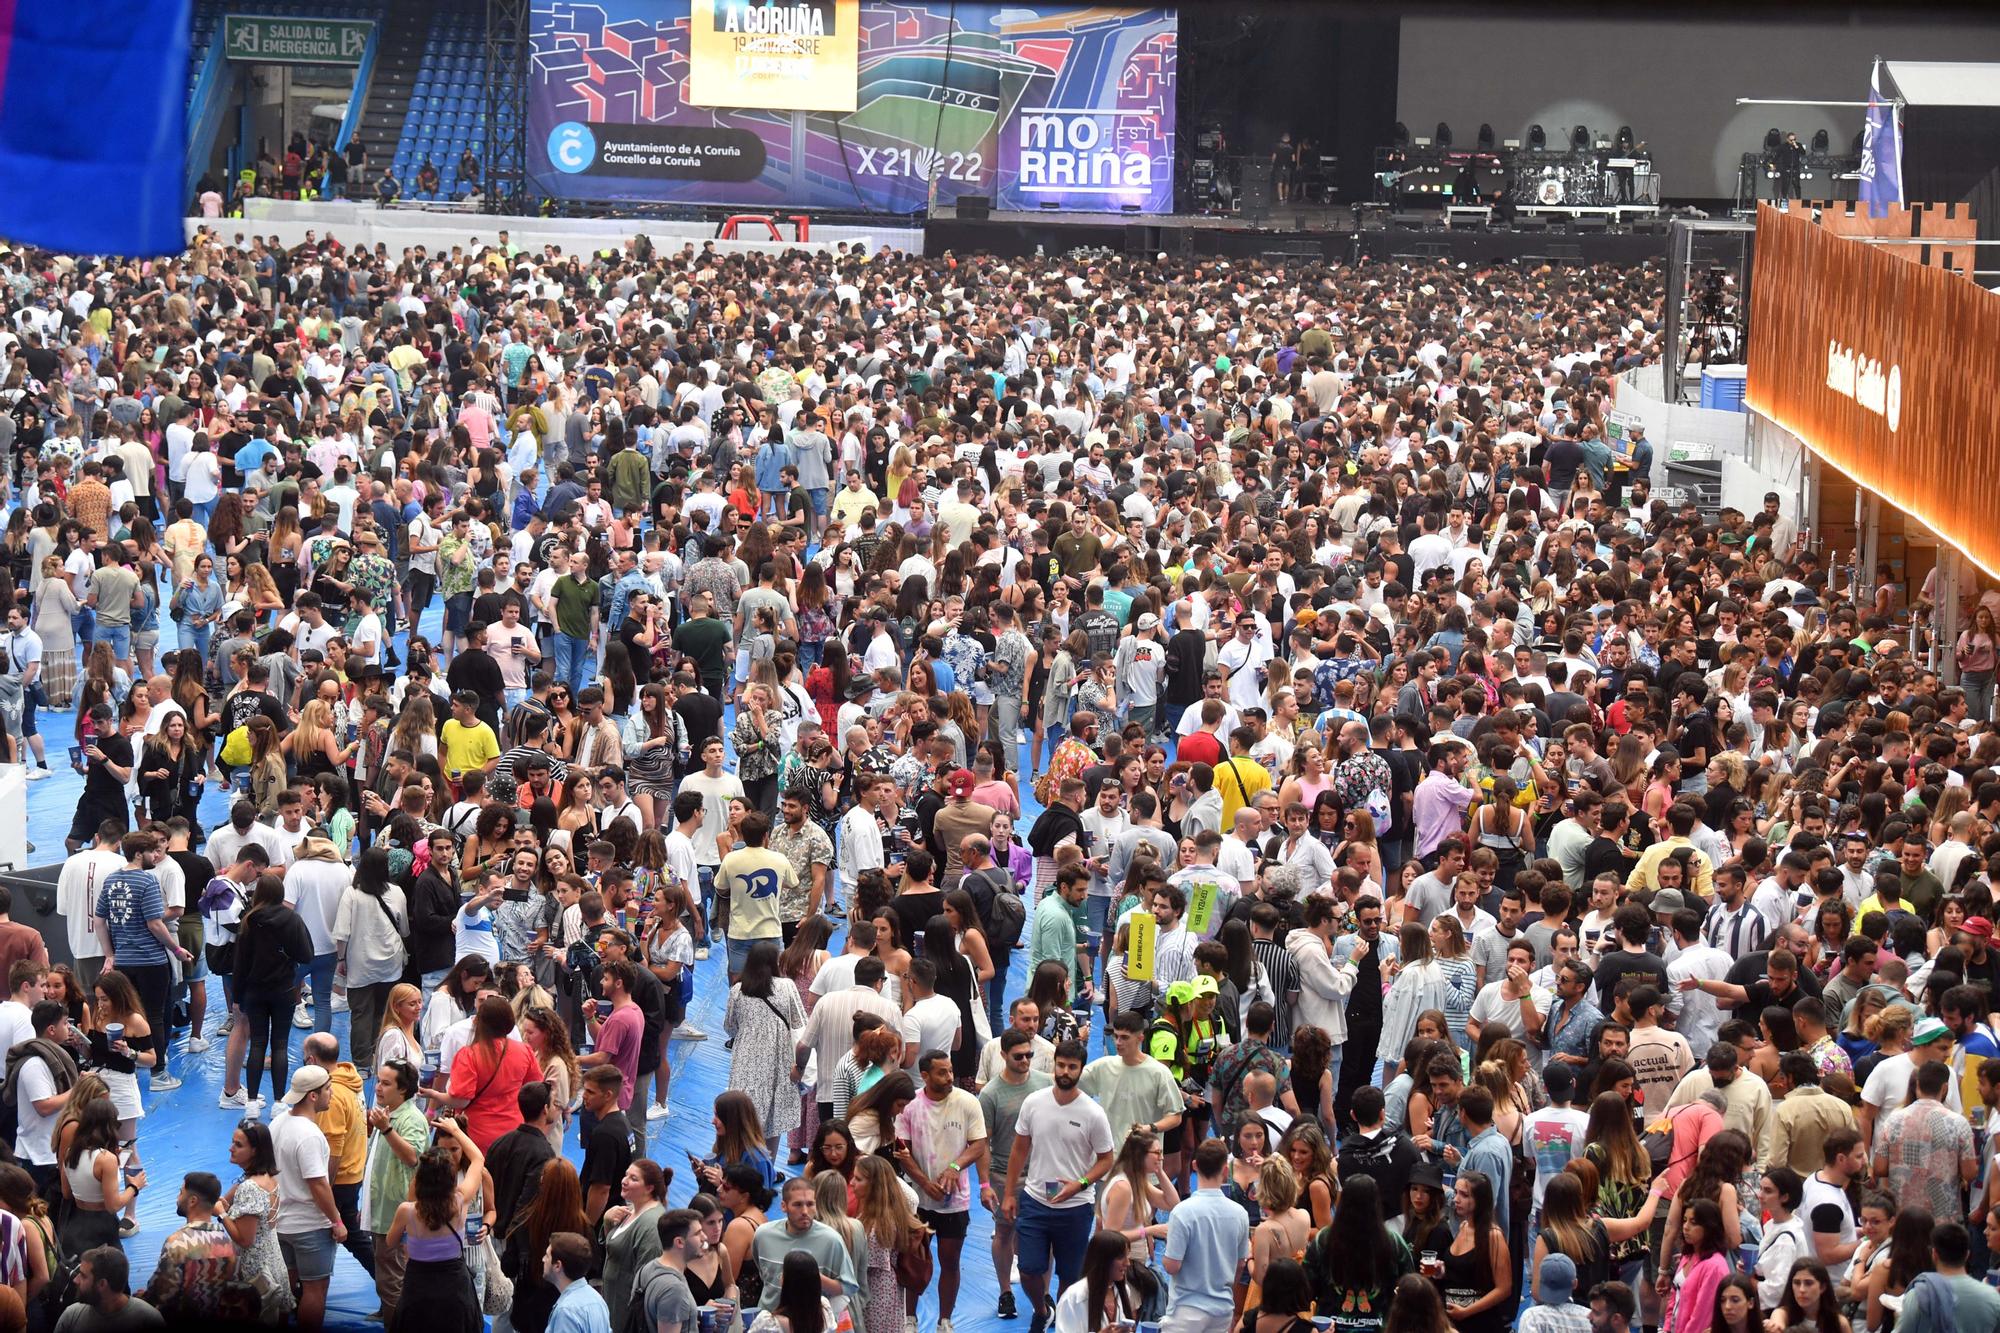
(514, 895)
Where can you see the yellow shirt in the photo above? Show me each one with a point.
(1239, 780)
(1649, 862)
(468, 747)
(848, 504)
(753, 876)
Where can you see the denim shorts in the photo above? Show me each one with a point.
(309, 1254)
(119, 637)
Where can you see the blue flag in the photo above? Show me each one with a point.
(93, 114)
(1881, 151)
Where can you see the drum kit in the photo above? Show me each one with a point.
(1559, 184)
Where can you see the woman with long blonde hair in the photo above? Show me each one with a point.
(312, 745)
(267, 596)
(889, 1224)
(398, 1038)
(1138, 1194)
(267, 764)
(415, 731)
(53, 618)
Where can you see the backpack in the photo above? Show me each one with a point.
(1009, 918)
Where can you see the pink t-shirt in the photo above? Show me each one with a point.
(620, 1036)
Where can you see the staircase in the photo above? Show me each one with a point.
(405, 29)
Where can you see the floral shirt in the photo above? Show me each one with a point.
(457, 565)
(715, 577)
(375, 575)
(967, 659)
(1358, 776)
(808, 847)
(1008, 664)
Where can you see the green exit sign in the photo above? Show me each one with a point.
(292, 41)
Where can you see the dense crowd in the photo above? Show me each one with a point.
(1493, 895)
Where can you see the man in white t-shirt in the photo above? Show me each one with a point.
(309, 1223)
(1240, 657)
(83, 874)
(37, 1098)
(1062, 1149)
(946, 1131)
(24, 992)
(1888, 1087)
(931, 1022)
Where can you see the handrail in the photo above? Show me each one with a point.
(364, 74)
(204, 118)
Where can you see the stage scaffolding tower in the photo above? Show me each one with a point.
(507, 107)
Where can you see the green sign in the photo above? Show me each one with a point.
(283, 41)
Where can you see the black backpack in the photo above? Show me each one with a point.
(1005, 913)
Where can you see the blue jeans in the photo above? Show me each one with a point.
(197, 638)
(84, 626)
(319, 973)
(1043, 1233)
(203, 510)
(996, 990)
(1100, 920)
(572, 658)
(705, 876)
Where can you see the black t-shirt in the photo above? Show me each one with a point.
(102, 791)
(1697, 736)
(239, 708)
(1564, 457)
(1621, 962)
(610, 1149)
(913, 912)
(1603, 854)
(701, 714)
(1406, 770)
(1753, 973)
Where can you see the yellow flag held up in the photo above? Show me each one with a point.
(1201, 906)
(1141, 930)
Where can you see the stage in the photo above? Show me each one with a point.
(1627, 235)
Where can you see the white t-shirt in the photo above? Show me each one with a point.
(680, 857)
(76, 898)
(472, 932)
(715, 796)
(1555, 1135)
(1067, 1141)
(16, 1026)
(302, 1156)
(1826, 1210)
(1888, 1088)
(34, 1139)
(931, 1023)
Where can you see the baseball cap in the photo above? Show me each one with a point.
(960, 783)
(1929, 1030)
(1558, 1279)
(1149, 621)
(1560, 1080)
(1204, 986)
(1978, 926)
(309, 1079)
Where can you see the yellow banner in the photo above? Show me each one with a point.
(1141, 930)
(1201, 907)
(786, 55)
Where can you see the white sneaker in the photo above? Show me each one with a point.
(232, 1101)
(944, 1324)
(228, 1025)
(339, 1002)
(165, 1083)
(253, 1109)
(37, 774)
(302, 1019)
(196, 1045)
(701, 954)
(909, 1323)
(689, 1032)
(660, 1111)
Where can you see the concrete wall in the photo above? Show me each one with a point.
(365, 224)
(1674, 80)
